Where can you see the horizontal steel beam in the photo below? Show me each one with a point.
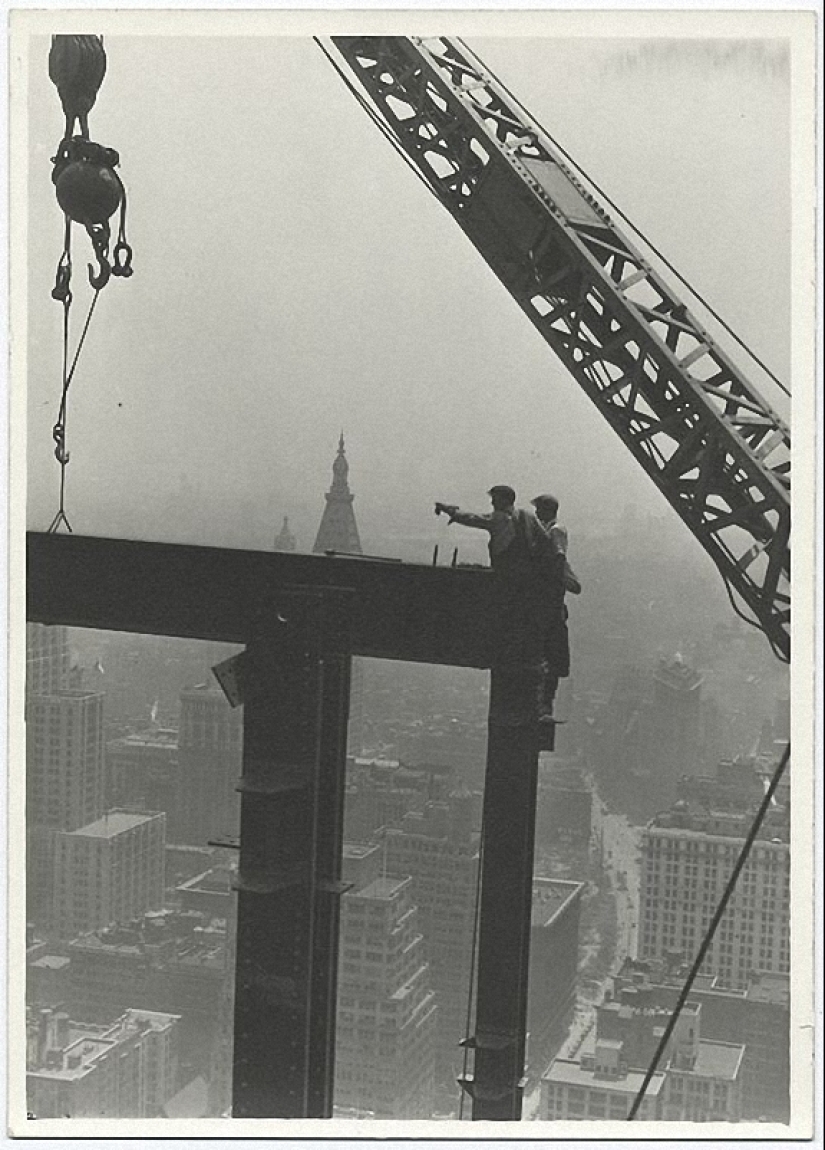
(400, 610)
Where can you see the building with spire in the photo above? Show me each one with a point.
(284, 540)
(338, 530)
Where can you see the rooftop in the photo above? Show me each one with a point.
(719, 824)
(769, 987)
(162, 737)
(551, 896)
(86, 1042)
(380, 888)
(718, 1059)
(114, 823)
(567, 1071)
(358, 850)
(51, 962)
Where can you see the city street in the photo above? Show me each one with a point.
(620, 844)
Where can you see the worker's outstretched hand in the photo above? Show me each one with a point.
(445, 509)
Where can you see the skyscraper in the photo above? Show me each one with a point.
(338, 530)
(64, 773)
(687, 859)
(109, 871)
(209, 766)
(385, 1040)
(439, 849)
(47, 659)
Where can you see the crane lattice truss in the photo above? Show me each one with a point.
(713, 446)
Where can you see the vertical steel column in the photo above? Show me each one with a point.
(336, 674)
(294, 743)
(508, 821)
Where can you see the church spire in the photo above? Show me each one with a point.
(338, 530)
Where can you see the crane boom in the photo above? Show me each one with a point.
(710, 442)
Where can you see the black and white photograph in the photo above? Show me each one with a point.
(403, 673)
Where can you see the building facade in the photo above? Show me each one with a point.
(699, 1080)
(687, 859)
(386, 1019)
(142, 772)
(47, 659)
(108, 871)
(438, 848)
(172, 963)
(64, 772)
(127, 1069)
(757, 1016)
(209, 765)
(554, 961)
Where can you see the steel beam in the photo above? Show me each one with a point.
(514, 740)
(295, 698)
(400, 611)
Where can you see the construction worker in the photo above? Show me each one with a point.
(557, 641)
(532, 605)
(547, 510)
(516, 537)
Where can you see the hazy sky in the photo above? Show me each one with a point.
(292, 277)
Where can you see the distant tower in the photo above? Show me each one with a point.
(284, 540)
(338, 530)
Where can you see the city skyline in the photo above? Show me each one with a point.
(327, 312)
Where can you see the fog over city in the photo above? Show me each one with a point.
(310, 346)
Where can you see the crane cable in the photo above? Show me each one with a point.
(697, 295)
(711, 931)
(59, 430)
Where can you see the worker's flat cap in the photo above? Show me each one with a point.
(543, 500)
(502, 489)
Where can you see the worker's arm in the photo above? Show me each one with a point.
(465, 518)
(558, 536)
(469, 519)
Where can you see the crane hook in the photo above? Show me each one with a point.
(99, 235)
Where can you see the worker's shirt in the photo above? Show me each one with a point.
(557, 534)
(518, 542)
(501, 526)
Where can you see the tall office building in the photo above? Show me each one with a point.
(64, 774)
(687, 859)
(554, 962)
(47, 659)
(438, 847)
(142, 772)
(108, 871)
(209, 767)
(674, 721)
(124, 1069)
(385, 1039)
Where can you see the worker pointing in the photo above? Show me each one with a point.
(516, 536)
(532, 563)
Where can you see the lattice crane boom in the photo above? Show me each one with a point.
(714, 447)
